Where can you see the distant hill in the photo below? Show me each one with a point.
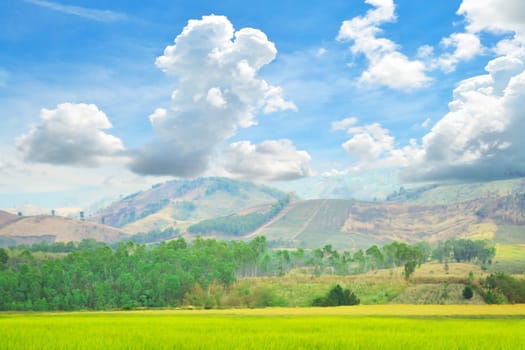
(357, 224)
(371, 185)
(31, 229)
(384, 185)
(6, 217)
(181, 203)
(456, 192)
(33, 210)
(232, 209)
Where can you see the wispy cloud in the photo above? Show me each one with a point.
(84, 12)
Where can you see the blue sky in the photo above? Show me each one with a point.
(266, 91)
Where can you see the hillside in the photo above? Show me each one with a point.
(33, 210)
(180, 203)
(6, 217)
(457, 192)
(356, 224)
(367, 186)
(55, 229)
(231, 209)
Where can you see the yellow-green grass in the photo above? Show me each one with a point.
(510, 252)
(299, 287)
(510, 258)
(361, 327)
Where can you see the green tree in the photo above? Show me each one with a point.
(4, 257)
(337, 296)
(468, 292)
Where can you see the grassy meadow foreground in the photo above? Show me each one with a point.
(358, 327)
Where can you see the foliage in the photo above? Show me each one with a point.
(151, 208)
(238, 224)
(502, 286)
(94, 276)
(155, 235)
(468, 292)
(337, 297)
(409, 195)
(464, 250)
(3, 257)
(58, 247)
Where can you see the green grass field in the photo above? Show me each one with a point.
(362, 327)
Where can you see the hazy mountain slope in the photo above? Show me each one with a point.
(454, 193)
(370, 185)
(178, 203)
(6, 217)
(384, 184)
(33, 210)
(57, 229)
(358, 224)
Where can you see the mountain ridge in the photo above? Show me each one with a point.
(344, 223)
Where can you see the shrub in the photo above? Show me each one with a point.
(336, 297)
(505, 286)
(468, 293)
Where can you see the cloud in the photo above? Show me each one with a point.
(321, 52)
(271, 160)
(387, 66)
(373, 147)
(467, 46)
(426, 123)
(496, 16)
(71, 134)
(218, 91)
(480, 138)
(369, 142)
(344, 124)
(84, 12)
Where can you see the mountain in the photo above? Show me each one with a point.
(232, 209)
(33, 210)
(358, 224)
(6, 217)
(181, 203)
(368, 185)
(31, 229)
(447, 193)
(384, 185)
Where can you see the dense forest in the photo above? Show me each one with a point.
(95, 276)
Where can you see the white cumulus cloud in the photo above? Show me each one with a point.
(497, 16)
(71, 134)
(372, 146)
(218, 91)
(271, 160)
(481, 137)
(387, 66)
(466, 47)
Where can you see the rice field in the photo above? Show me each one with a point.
(361, 327)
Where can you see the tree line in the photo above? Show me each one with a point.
(95, 276)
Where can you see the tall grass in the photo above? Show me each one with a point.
(313, 328)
